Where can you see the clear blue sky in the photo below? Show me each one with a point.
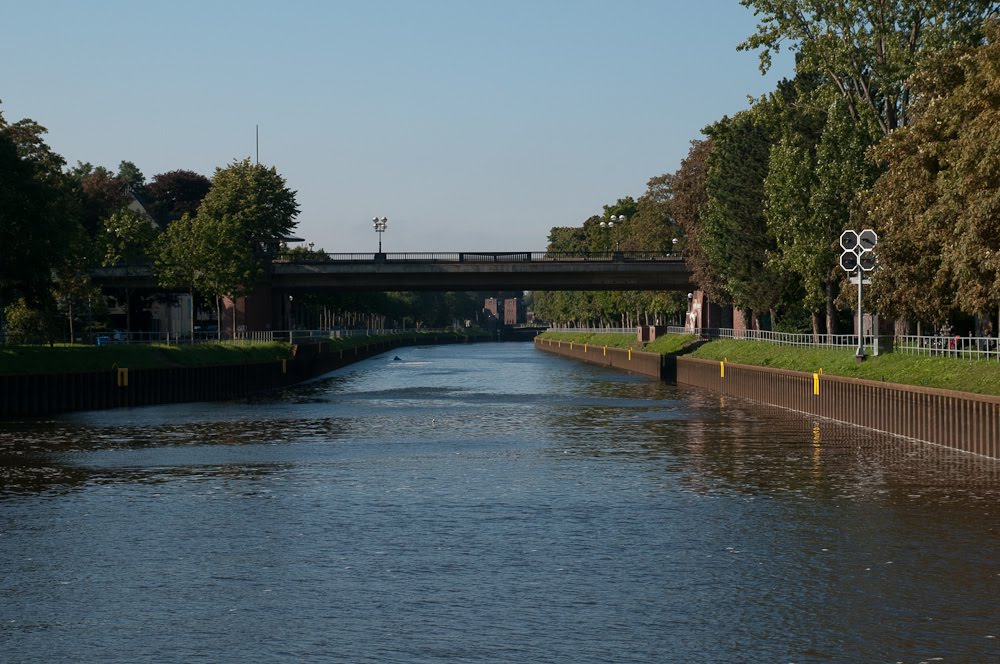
(471, 125)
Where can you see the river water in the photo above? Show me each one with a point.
(490, 503)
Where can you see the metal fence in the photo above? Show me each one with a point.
(788, 338)
(115, 337)
(969, 348)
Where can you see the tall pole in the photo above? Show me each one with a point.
(861, 319)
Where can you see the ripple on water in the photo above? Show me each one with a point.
(490, 503)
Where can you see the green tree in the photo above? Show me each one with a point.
(256, 202)
(37, 215)
(179, 254)
(103, 195)
(937, 207)
(867, 50)
(229, 267)
(128, 242)
(132, 177)
(733, 230)
(816, 170)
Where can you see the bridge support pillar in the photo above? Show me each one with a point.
(265, 308)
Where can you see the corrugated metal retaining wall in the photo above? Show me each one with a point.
(967, 422)
(43, 394)
(654, 365)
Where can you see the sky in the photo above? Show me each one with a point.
(470, 125)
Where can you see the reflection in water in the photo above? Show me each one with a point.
(490, 503)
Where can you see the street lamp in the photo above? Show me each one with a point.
(620, 219)
(605, 225)
(379, 225)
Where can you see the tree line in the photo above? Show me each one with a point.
(214, 238)
(890, 123)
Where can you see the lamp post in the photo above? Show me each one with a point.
(379, 224)
(606, 225)
(620, 219)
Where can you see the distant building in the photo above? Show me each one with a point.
(515, 312)
(492, 306)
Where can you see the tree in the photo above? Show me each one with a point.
(37, 215)
(816, 170)
(132, 177)
(171, 195)
(867, 50)
(255, 201)
(178, 255)
(690, 199)
(104, 194)
(937, 207)
(733, 231)
(229, 267)
(128, 242)
(652, 227)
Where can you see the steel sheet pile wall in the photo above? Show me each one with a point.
(647, 364)
(967, 422)
(43, 394)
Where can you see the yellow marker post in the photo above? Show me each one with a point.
(629, 354)
(816, 384)
(722, 369)
(571, 345)
(605, 351)
(585, 346)
(122, 377)
(284, 364)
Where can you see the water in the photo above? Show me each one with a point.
(490, 503)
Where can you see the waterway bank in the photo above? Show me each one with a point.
(958, 420)
(33, 394)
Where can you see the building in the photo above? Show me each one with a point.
(514, 311)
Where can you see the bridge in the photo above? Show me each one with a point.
(462, 271)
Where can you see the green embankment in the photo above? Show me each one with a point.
(979, 376)
(72, 358)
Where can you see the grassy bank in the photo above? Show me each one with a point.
(979, 376)
(67, 358)
(71, 358)
(670, 343)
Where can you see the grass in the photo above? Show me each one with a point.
(978, 376)
(609, 340)
(72, 358)
(671, 343)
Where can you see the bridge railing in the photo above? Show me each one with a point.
(482, 257)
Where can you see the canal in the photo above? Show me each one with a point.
(490, 503)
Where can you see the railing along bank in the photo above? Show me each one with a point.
(956, 346)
